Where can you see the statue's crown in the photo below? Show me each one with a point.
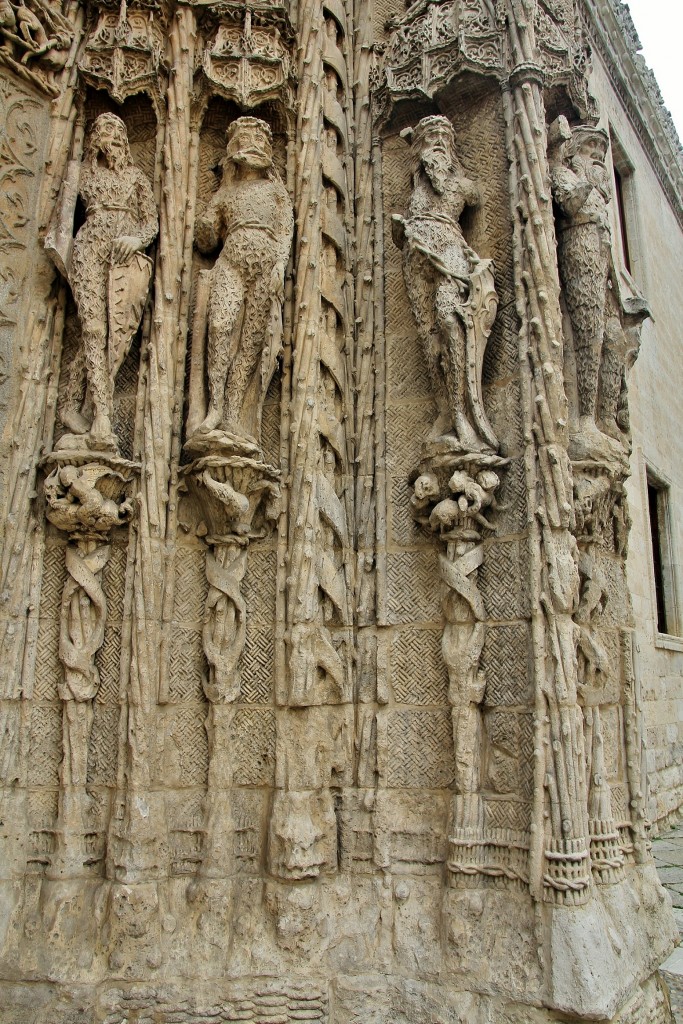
(415, 135)
(250, 122)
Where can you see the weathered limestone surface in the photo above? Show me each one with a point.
(318, 697)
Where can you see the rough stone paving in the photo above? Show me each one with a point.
(318, 698)
(667, 852)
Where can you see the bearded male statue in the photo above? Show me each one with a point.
(251, 215)
(109, 276)
(451, 291)
(581, 186)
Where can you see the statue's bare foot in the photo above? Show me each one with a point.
(589, 442)
(612, 429)
(102, 438)
(211, 422)
(74, 421)
(441, 427)
(467, 436)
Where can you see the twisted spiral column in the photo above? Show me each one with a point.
(559, 854)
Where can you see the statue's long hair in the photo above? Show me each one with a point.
(94, 145)
(415, 136)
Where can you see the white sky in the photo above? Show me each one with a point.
(659, 24)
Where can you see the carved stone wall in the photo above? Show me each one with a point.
(659, 660)
(319, 698)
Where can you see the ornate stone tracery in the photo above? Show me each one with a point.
(320, 703)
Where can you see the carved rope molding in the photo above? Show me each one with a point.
(319, 557)
(558, 867)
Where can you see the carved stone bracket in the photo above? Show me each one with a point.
(240, 501)
(87, 500)
(239, 498)
(451, 496)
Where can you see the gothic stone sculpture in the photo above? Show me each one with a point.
(451, 290)
(452, 496)
(251, 214)
(86, 499)
(601, 322)
(109, 275)
(35, 39)
(239, 304)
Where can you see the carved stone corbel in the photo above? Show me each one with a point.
(601, 524)
(87, 500)
(451, 496)
(239, 496)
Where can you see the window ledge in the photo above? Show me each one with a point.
(668, 642)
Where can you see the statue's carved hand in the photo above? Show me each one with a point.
(124, 247)
(576, 199)
(277, 282)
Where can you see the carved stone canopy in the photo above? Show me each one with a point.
(434, 41)
(247, 58)
(124, 52)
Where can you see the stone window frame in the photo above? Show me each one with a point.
(653, 477)
(625, 212)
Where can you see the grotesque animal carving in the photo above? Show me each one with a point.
(251, 214)
(35, 40)
(109, 276)
(451, 290)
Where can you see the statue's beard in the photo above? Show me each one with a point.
(116, 159)
(595, 173)
(437, 167)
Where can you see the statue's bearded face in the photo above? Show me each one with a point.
(436, 156)
(113, 146)
(589, 162)
(250, 146)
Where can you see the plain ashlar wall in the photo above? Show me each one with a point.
(656, 406)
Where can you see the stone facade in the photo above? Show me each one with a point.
(321, 697)
(650, 160)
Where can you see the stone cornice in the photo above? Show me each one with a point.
(611, 31)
